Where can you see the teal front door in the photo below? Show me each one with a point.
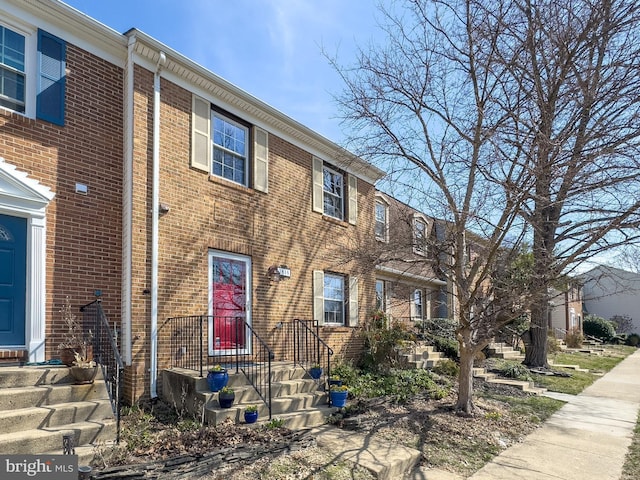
(13, 280)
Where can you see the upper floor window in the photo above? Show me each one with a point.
(32, 76)
(335, 194)
(12, 70)
(230, 156)
(227, 148)
(382, 221)
(333, 188)
(419, 235)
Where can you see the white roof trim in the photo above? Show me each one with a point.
(198, 77)
(19, 193)
(400, 275)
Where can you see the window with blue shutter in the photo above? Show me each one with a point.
(51, 78)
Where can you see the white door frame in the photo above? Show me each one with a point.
(21, 196)
(248, 296)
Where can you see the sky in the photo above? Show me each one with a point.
(272, 49)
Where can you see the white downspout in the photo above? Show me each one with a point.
(127, 214)
(154, 226)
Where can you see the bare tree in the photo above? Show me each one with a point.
(423, 106)
(577, 80)
(513, 121)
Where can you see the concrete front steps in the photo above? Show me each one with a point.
(504, 351)
(525, 386)
(40, 404)
(297, 400)
(421, 356)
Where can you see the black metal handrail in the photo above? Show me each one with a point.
(308, 350)
(106, 354)
(200, 341)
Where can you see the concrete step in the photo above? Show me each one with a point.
(568, 366)
(11, 377)
(47, 439)
(524, 385)
(22, 397)
(299, 403)
(54, 415)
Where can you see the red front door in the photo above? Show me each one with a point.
(229, 295)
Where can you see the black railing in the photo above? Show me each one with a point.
(200, 341)
(106, 354)
(307, 349)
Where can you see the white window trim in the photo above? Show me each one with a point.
(417, 217)
(247, 148)
(342, 196)
(30, 67)
(385, 237)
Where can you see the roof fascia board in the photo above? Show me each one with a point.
(195, 77)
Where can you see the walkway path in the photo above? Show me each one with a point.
(587, 439)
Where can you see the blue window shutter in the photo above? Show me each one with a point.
(51, 78)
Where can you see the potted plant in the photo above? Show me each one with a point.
(217, 378)
(338, 395)
(251, 414)
(335, 380)
(315, 371)
(83, 370)
(75, 340)
(226, 396)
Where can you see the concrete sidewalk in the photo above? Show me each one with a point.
(586, 439)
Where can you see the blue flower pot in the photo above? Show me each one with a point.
(226, 399)
(315, 373)
(337, 383)
(338, 399)
(217, 380)
(251, 417)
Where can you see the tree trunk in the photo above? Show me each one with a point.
(465, 381)
(536, 341)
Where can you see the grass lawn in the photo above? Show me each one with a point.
(597, 365)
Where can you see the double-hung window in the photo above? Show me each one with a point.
(334, 299)
(230, 149)
(381, 217)
(33, 74)
(333, 193)
(12, 70)
(381, 296)
(224, 147)
(417, 305)
(419, 235)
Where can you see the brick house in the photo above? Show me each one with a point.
(128, 168)
(408, 285)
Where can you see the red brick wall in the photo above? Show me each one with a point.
(83, 250)
(206, 213)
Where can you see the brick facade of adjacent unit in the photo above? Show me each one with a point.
(83, 236)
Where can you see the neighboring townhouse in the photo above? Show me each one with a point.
(61, 137)
(408, 286)
(565, 313)
(171, 191)
(612, 292)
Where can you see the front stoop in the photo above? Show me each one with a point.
(297, 400)
(504, 351)
(525, 386)
(40, 404)
(386, 460)
(421, 356)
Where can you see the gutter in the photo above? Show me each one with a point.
(155, 212)
(401, 275)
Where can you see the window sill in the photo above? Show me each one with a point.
(335, 221)
(336, 327)
(229, 184)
